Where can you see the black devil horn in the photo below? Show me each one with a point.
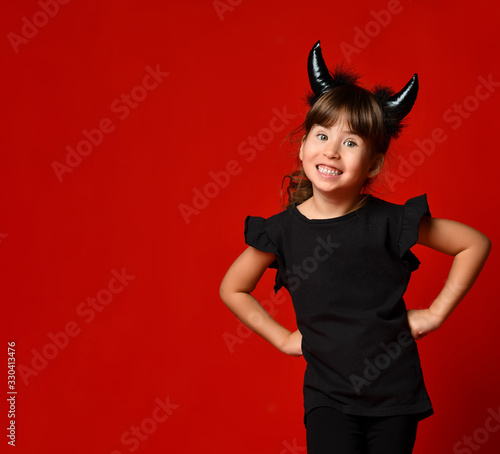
(319, 77)
(401, 103)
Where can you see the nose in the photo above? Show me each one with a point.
(332, 152)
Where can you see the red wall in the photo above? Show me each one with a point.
(169, 100)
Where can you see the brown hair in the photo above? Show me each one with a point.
(364, 116)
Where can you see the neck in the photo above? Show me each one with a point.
(336, 205)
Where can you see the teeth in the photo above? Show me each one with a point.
(328, 171)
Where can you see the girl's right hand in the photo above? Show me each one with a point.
(293, 344)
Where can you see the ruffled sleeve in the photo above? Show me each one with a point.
(413, 210)
(257, 236)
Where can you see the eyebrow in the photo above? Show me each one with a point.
(343, 131)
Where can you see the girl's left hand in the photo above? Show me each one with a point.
(422, 322)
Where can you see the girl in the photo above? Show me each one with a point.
(344, 256)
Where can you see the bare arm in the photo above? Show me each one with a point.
(470, 249)
(235, 290)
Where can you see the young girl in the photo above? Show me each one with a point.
(344, 256)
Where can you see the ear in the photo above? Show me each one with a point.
(377, 164)
(301, 152)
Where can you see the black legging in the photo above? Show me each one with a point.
(329, 431)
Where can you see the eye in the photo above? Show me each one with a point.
(350, 143)
(321, 136)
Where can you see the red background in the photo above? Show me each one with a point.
(166, 336)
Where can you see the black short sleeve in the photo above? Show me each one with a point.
(257, 236)
(413, 211)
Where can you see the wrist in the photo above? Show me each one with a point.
(438, 316)
(283, 341)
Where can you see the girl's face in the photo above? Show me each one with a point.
(336, 159)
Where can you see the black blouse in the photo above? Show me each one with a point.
(346, 277)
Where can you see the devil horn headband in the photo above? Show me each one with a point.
(395, 107)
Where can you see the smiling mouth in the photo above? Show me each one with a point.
(329, 170)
